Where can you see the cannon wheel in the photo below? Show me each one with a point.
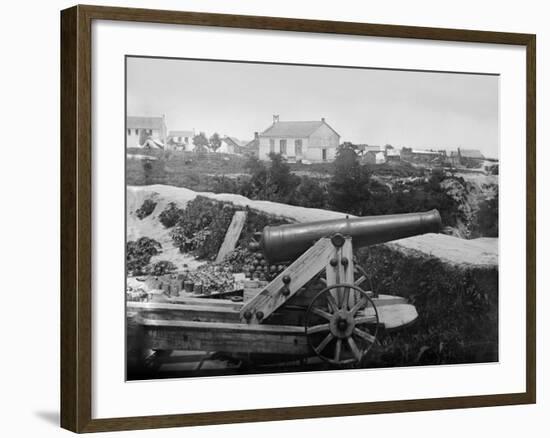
(338, 333)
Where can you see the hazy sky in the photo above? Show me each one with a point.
(402, 108)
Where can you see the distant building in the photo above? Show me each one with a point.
(470, 157)
(466, 157)
(253, 146)
(370, 148)
(145, 132)
(371, 157)
(421, 155)
(314, 141)
(393, 154)
(181, 140)
(232, 145)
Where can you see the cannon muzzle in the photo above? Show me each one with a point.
(287, 242)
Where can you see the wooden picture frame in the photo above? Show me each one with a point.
(76, 217)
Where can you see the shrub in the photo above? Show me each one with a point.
(161, 267)
(146, 208)
(309, 193)
(457, 308)
(202, 227)
(139, 253)
(486, 222)
(171, 215)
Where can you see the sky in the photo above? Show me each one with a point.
(422, 110)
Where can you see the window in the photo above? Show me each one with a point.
(324, 155)
(282, 144)
(137, 131)
(271, 145)
(129, 131)
(298, 147)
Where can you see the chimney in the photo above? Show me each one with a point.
(323, 119)
(275, 118)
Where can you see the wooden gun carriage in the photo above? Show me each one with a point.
(316, 307)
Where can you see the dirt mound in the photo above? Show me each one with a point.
(452, 249)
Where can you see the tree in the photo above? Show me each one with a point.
(348, 189)
(309, 193)
(281, 181)
(200, 141)
(215, 141)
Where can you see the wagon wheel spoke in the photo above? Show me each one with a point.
(318, 329)
(324, 343)
(358, 305)
(345, 299)
(360, 280)
(366, 319)
(338, 350)
(364, 335)
(354, 348)
(321, 313)
(332, 303)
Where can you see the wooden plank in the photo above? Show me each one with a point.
(232, 235)
(300, 272)
(216, 302)
(225, 337)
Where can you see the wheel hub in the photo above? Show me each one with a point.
(342, 324)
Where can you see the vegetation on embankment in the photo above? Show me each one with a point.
(457, 306)
(468, 209)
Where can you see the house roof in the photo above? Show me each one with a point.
(293, 129)
(422, 151)
(144, 122)
(393, 153)
(253, 144)
(181, 134)
(235, 141)
(471, 153)
(370, 147)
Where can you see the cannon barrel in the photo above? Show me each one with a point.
(287, 242)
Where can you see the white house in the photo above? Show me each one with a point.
(313, 141)
(181, 140)
(372, 157)
(145, 132)
(232, 145)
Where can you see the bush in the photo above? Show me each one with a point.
(486, 222)
(161, 267)
(309, 193)
(146, 208)
(457, 308)
(171, 215)
(139, 253)
(202, 227)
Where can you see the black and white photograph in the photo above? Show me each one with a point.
(308, 218)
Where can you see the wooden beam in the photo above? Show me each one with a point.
(224, 337)
(300, 272)
(232, 235)
(185, 312)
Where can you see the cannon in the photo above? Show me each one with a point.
(286, 242)
(316, 307)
